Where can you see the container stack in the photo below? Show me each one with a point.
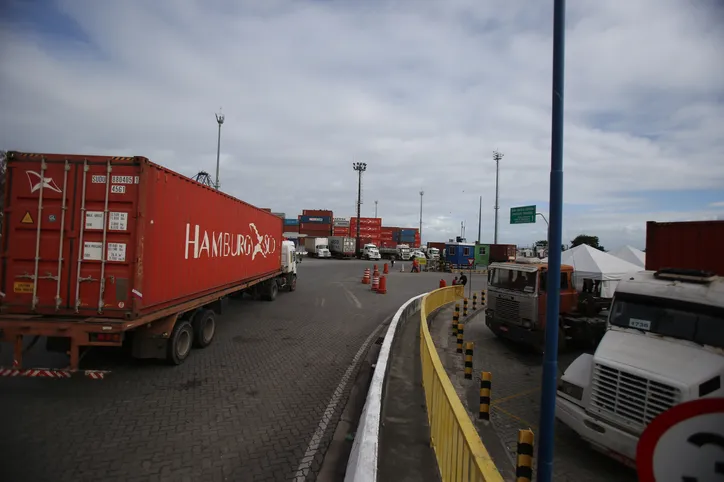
(291, 225)
(387, 239)
(315, 223)
(340, 227)
(370, 230)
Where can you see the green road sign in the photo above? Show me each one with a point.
(522, 215)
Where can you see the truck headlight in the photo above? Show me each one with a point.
(573, 391)
(527, 323)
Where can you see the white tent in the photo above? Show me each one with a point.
(591, 263)
(632, 255)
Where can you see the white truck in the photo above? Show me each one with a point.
(342, 247)
(403, 252)
(664, 346)
(370, 251)
(317, 247)
(433, 253)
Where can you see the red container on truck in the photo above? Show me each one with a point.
(95, 246)
(502, 253)
(695, 245)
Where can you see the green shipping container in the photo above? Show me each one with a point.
(482, 255)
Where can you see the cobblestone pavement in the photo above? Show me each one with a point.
(247, 408)
(516, 397)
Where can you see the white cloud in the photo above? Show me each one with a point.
(422, 92)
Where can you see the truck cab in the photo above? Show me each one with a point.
(516, 301)
(403, 252)
(664, 346)
(370, 251)
(433, 253)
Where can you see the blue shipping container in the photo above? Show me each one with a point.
(408, 232)
(316, 219)
(291, 222)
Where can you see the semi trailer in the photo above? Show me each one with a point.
(99, 251)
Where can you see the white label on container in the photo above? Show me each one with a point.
(92, 251)
(98, 179)
(94, 220)
(118, 222)
(116, 251)
(121, 179)
(136, 179)
(640, 324)
(118, 189)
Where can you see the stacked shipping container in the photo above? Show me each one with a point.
(315, 223)
(370, 230)
(340, 227)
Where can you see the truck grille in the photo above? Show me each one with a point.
(632, 399)
(507, 309)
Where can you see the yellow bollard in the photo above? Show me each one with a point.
(486, 379)
(465, 307)
(461, 331)
(524, 461)
(455, 321)
(469, 360)
(475, 301)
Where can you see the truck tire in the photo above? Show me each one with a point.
(271, 291)
(292, 283)
(204, 325)
(179, 343)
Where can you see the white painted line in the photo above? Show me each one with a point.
(306, 463)
(351, 296)
(362, 463)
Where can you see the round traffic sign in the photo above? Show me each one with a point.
(684, 444)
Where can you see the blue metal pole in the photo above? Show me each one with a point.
(550, 360)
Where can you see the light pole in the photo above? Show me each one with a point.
(422, 193)
(219, 120)
(497, 156)
(360, 167)
(480, 217)
(376, 208)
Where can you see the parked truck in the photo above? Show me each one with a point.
(317, 247)
(370, 252)
(516, 306)
(664, 345)
(401, 251)
(99, 250)
(342, 247)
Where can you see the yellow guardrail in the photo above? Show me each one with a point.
(461, 455)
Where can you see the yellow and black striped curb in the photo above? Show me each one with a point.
(524, 461)
(469, 360)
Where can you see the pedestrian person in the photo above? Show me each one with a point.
(455, 281)
(463, 279)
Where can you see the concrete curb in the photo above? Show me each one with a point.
(362, 464)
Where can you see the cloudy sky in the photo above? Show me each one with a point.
(422, 91)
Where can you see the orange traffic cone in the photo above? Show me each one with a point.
(366, 277)
(442, 283)
(385, 269)
(382, 289)
(375, 282)
(374, 267)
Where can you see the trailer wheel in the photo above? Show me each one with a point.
(204, 325)
(180, 342)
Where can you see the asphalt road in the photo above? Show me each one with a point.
(260, 404)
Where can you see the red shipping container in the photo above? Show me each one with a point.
(377, 222)
(167, 239)
(291, 228)
(317, 212)
(685, 245)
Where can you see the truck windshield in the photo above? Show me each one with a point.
(322, 246)
(700, 324)
(511, 279)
